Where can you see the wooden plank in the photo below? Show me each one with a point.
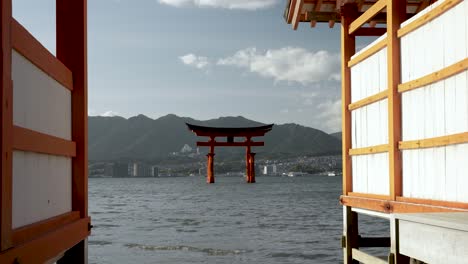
(368, 100)
(292, 5)
(374, 242)
(72, 52)
(435, 141)
(429, 16)
(390, 206)
(449, 204)
(318, 6)
(30, 232)
(46, 247)
(369, 150)
(30, 140)
(348, 48)
(396, 13)
(367, 53)
(350, 233)
(6, 112)
(366, 258)
(370, 32)
(297, 13)
(231, 144)
(435, 76)
(369, 195)
(23, 42)
(370, 13)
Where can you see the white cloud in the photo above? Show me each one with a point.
(198, 62)
(290, 64)
(109, 113)
(228, 4)
(330, 115)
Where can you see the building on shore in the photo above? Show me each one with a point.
(405, 123)
(120, 170)
(140, 169)
(269, 169)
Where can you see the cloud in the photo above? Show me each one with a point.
(330, 114)
(290, 64)
(227, 4)
(109, 113)
(198, 62)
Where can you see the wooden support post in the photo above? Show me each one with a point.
(395, 257)
(74, 256)
(348, 48)
(210, 168)
(251, 178)
(247, 160)
(396, 13)
(350, 234)
(6, 123)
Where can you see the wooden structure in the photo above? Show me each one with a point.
(404, 109)
(230, 134)
(43, 186)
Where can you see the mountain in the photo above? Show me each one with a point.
(336, 135)
(141, 137)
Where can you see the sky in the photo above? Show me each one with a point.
(203, 59)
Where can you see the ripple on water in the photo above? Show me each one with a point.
(299, 255)
(207, 251)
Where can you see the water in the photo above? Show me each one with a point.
(184, 220)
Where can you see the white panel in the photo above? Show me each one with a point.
(462, 172)
(451, 168)
(461, 102)
(41, 187)
(450, 106)
(378, 174)
(383, 70)
(39, 102)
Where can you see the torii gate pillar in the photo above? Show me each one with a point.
(251, 168)
(210, 168)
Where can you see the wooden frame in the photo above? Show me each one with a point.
(439, 75)
(429, 16)
(370, 13)
(396, 13)
(369, 195)
(30, 140)
(348, 48)
(435, 142)
(6, 96)
(367, 53)
(369, 150)
(25, 43)
(368, 100)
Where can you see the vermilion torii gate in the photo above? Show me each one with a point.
(230, 133)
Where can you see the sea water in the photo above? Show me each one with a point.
(185, 220)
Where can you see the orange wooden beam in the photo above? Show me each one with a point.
(396, 14)
(49, 245)
(348, 48)
(405, 205)
(32, 231)
(23, 42)
(6, 123)
(362, 32)
(30, 140)
(72, 52)
(230, 144)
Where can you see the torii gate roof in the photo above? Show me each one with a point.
(230, 131)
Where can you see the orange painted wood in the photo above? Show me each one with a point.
(72, 52)
(348, 48)
(367, 53)
(369, 100)
(369, 195)
(435, 76)
(292, 5)
(390, 206)
(24, 43)
(435, 142)
(210, 168)
(429, 16)
(318, 6)
(362, 32)
(32, 231)
(449, 204)
(230, 144)
(297, 13)
(29, 140)
(6, 123)
(369, 150)
(370, 13)
(48, 245)
(396, 14)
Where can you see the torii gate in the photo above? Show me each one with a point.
(230, 134)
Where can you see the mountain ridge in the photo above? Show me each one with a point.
(141, 137)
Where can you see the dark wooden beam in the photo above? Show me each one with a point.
(362, 32)
(230, 144)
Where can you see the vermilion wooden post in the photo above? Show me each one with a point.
(72, 52)
(210, 168)
(348, 48)
(6, 123)
(396, 13)
(252, 168)
(247, 160)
